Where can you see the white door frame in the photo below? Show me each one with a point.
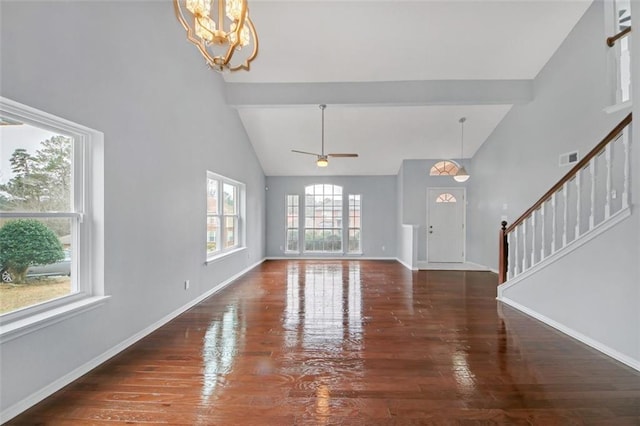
(464, 217)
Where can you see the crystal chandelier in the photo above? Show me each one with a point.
(221, 30)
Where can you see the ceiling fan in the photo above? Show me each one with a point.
(322, 158)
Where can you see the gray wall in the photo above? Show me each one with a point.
(379, 223)
(519, 161)
(104, 65)
(415, 181)
(594, 291)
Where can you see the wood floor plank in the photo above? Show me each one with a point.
(353, 342)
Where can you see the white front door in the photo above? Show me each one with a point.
(445, 224)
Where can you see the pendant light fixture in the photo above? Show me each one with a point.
(461, 175)
(222, 31)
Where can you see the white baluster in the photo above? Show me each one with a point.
(627, 175)
(533, 238)
(524, 245)
(553, 222)
(542, 226)
(592, 212)
(607, 204)
(578, 201)
(511, 257)
(565, 214)
(515, 251)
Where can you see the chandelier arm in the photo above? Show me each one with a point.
(246, 65)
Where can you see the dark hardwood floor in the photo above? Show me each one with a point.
(351, 343)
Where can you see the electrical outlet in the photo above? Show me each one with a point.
(186, 284)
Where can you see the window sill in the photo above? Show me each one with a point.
(224, 254)
(15, 329)
(618, 107)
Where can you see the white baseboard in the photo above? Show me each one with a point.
(618, 356)
(460, 266)
(406, 265)
(63, 381)
(341, 257)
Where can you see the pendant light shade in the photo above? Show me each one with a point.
(461, 175)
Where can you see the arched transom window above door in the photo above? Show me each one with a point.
(444, 168)
(445, 197)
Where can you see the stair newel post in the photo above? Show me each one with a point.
(504, 254)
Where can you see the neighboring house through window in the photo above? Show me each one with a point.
(325, 210)
(323, 218)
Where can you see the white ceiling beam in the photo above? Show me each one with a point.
(396, 93)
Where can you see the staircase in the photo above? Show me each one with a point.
(563, 261)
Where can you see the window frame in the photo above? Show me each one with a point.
(87, 216)
(288, 228)
(353, 228)
(615, 58)
(339, 229)
(239, 234)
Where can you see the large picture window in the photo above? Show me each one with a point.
(224, 215)
(323, 218)
(50, 210)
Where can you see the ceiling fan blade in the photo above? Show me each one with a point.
(305, 152)
(342, 155)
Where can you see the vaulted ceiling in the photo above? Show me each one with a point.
(396, 77)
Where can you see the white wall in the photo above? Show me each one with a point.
(592, 293)
(106, 66)
(379, 223)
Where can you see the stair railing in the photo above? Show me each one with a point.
(594, 191)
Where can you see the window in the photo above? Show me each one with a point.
(224, 215)
(323, 218)
(444, 168)
(619, 19)
(446, 198)
(355, 245)
(51, 198)
(293, 223)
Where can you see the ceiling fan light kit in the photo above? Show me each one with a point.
(322, 159)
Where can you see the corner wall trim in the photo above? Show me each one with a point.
(406, 265)
(618, 356)
(63, 381)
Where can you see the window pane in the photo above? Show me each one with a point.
(212, 196)
(354, 240)
(36, 169)
(213, 234)
(355, 245)
(230, 234)
(230, 199)
(323, 218)
(292, 240)
(36, 259)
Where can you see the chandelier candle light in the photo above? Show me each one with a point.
(461, 175)
(221, 30)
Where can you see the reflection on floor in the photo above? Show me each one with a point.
(354, 343)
